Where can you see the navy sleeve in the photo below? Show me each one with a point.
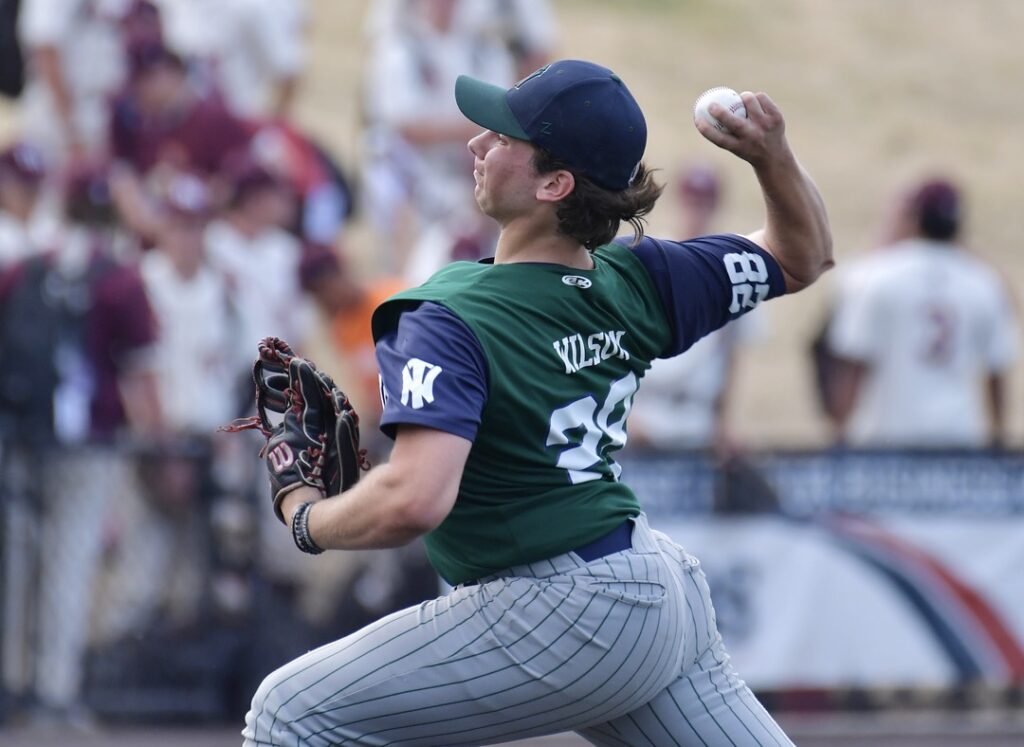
(433, 372)
(704, 283)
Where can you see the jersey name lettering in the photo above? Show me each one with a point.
(577, 352)
(418, 382)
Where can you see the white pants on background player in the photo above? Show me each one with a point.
(534, 650)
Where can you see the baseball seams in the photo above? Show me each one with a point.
(558, 645)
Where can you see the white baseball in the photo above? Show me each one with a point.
(726, 97)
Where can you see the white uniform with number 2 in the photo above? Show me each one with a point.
(930, 321)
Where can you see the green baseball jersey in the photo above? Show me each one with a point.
(565, 350)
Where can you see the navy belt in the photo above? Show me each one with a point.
(617, 540)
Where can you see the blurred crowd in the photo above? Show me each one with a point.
(161, 211)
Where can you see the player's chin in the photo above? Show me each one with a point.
(481, 199)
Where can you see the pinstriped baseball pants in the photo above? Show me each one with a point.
(623, 650)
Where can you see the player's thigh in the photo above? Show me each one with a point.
(514, 658)
(301, 699)
(709, 706)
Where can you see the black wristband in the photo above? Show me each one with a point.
(300, 530)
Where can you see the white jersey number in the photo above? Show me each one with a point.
(587, 425)
(749, 277)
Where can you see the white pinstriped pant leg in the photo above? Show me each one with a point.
(708, 705)
(555, 646)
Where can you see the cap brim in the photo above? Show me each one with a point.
(486, 105)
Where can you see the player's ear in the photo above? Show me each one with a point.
(556, 185)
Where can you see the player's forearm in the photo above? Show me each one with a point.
(378, 512)
(140, 396)
(796, 229)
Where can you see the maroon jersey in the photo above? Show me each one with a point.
(196, 137)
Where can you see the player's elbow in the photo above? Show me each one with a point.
(424, 475)
(417, 507)
(422, 514)
(802, 268)
(820, 262)
(824, 258)
(819, 254)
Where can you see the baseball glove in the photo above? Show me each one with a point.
(317, 440)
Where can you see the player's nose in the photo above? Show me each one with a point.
(478, 145)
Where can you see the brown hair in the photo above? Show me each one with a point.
(592, 214)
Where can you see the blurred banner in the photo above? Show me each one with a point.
(854, 570)
(833, 574)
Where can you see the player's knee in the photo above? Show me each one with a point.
(272, 713)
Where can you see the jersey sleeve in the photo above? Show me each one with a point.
(433, 372)
(705, 282)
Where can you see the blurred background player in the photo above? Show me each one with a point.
(193, 311)
(344, 305)
(163, 120)
(924, 336)
(79, 323)
(252, 53)
(158, 532)
(898, 224)
(417, 172)
(76, 63)
(24, 228)
(250, 246)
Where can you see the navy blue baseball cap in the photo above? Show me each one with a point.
(579, 112)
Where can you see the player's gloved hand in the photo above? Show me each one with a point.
(344, 459)
(317, 441)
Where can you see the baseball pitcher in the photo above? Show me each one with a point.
(507, 387)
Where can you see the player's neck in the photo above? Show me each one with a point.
(520, 242)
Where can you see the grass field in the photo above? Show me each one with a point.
(875, 92)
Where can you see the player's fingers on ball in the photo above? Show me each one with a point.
(733, 123)
(717, 111)
(707, 129)
(752, 102)
(769, 107)
(721, 138)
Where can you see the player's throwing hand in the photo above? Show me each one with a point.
(757, 138)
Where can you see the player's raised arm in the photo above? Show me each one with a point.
(796, 230)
